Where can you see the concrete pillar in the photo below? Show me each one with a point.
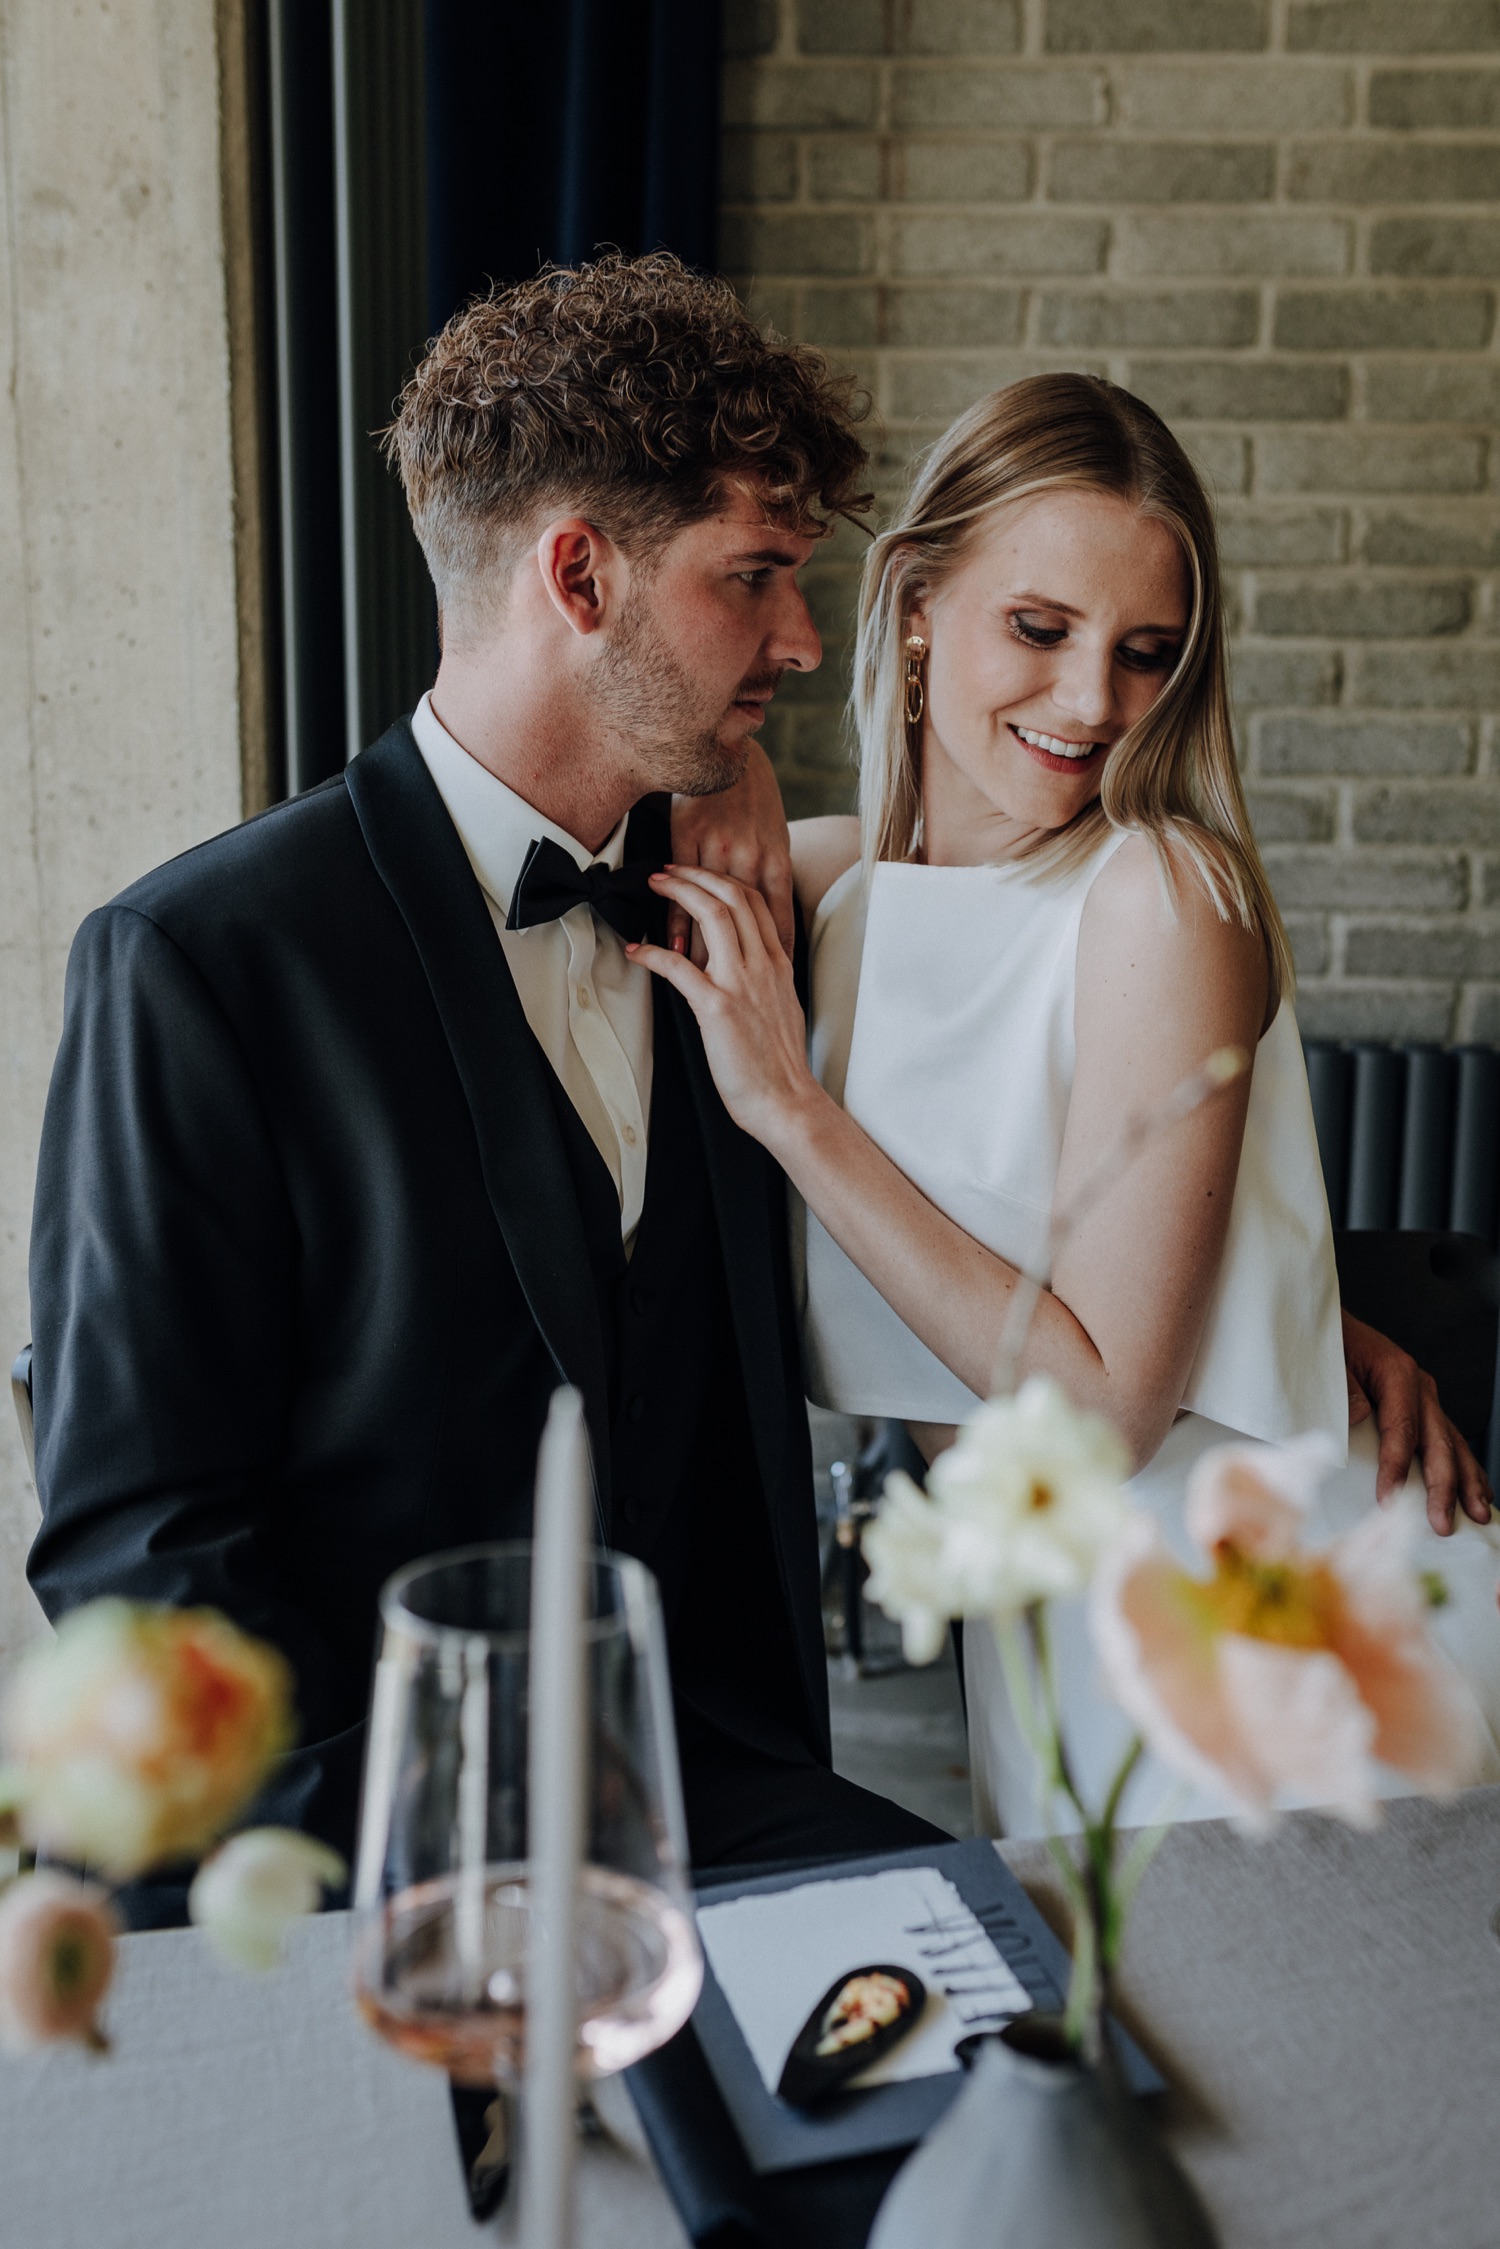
(121, 647)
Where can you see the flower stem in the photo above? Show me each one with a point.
(1098, 1894)
(1120, 1783)
(1088, 1888)
(1023, 1701)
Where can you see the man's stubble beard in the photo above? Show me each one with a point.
(644, 695)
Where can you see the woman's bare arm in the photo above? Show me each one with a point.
(1161, 985)
(1121, 1325)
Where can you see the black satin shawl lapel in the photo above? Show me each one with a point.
(750, 1210)
(648, 835)
(742, 1179)
(503, 1071)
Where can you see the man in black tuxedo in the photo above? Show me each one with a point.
(365, 1132)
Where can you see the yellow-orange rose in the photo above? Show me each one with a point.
(138, 1733)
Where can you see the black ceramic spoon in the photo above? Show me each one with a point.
(861, 2017)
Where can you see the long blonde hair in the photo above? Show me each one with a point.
(1173, 777)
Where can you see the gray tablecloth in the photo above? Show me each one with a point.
(1327, 2006)
(242, 2112)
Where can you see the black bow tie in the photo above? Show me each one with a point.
(551, 883)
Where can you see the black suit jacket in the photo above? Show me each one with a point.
(308, 1260)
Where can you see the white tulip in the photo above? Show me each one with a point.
(244, 1897)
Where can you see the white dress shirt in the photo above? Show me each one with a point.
(588, 1004)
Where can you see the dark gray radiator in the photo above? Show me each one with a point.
(1409, 1135)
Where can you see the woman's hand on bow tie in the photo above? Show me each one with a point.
(740, 832)
(745, 1001)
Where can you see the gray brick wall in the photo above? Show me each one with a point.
(1279, 221)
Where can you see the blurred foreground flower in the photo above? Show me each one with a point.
(254, 1886)
(57, 1955)
(138, 1733)
(1288, 1667)
(1021, 1508)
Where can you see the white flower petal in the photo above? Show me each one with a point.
(245, 1896)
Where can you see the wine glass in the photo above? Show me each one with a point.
(442, 1899)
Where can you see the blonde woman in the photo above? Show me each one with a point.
(1050, 911)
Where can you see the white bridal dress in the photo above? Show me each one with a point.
(942, 1019)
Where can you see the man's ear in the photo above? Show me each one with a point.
(581, 571)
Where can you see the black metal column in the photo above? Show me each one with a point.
(347, 161)
(380, 238)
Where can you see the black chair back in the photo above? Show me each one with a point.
(1410, 1142)
(1438, 1296)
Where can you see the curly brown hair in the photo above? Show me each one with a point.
(629, 389)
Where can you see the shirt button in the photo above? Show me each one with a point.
(637, 1408)
(583, 995)
(631, 1512)
(627, 1134)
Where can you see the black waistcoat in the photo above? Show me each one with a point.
(686, 1493)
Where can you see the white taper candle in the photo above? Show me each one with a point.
(557, 1791)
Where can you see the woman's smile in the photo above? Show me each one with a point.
(1048, 640)
(1056, 754)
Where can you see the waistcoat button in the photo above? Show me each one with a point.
(637, 1407)
(631, 1512)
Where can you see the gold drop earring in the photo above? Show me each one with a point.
(915, 697)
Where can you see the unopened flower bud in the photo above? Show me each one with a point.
(57, 1955)
(254, 1886)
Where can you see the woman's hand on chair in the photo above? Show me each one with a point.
(1411, 1425)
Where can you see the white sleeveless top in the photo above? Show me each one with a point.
(942, 1019)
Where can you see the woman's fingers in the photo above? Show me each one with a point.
(742, 832)
(765, 875)
(768, 924)
(1460, 1481)
(714, 921)
(674, 969)
(1436, 1442)
(725, 912)
(1475, 1495)
(752, 919)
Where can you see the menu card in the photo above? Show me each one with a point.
(908, 1917)
(774, 1944)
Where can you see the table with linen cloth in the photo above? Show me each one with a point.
(1326, 2006)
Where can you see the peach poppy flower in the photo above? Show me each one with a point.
(57, 1955)
(1287, 1667)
